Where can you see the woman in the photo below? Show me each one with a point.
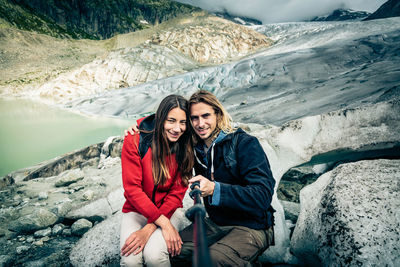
(156, 165)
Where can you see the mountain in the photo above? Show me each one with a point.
(85, 67)
(238, 19)
(342, 14)
(92, 19)
(389, 9)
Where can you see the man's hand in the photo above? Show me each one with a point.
(131, 130)
(137, 240)
(206, 186)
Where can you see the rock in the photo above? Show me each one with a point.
(6, 181)
(63, 164)
(62, 207)
(116, 199)
(95, 211)
(43, 233)
(43, 195)
(2, 232)
(88, 195)
(214, 40)
(67, 232)
(100, 245)
(80, 227)
(22, 249)
(41, 241)
(57, 229)
(5, 260)
(38, 263)
(36, 220)
(350, 216)
(69, 177)
(292, 210)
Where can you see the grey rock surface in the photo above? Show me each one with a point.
(36, 220)
(99, 246)
(69, 177)
(80, 227)
(350, 216)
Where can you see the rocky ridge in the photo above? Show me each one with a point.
(214, 40)
(389, 9)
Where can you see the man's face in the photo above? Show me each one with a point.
(204, 120)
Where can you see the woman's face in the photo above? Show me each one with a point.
(175, 124)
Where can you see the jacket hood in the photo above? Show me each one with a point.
(222, 137)
(231, 135)
(147, 123)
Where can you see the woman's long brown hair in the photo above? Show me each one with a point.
(162, 148)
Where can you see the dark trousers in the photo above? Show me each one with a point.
(228, 245)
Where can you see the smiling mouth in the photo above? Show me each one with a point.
(202, 131)
(174, 134)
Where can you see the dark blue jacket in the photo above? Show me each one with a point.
(246, 183)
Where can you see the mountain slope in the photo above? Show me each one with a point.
(389, 9)
(170, 48)
(93, 19)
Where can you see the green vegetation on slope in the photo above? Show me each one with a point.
(91, 19)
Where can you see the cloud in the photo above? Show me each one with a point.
(270, 11)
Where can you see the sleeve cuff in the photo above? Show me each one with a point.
(216, 195)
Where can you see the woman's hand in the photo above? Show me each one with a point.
(131, 130)
(137, 240)
(171, 235)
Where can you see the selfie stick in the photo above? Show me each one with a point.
(196, 214)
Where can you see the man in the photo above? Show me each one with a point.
(237, 186)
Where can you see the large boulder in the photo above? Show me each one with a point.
(350, 217)
(349, 134)
(37, 219)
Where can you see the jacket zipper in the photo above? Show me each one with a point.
(153, 197)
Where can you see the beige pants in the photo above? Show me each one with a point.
(155, 252)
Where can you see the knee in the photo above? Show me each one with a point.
(153, 258)
(132, 260)
(218, 258)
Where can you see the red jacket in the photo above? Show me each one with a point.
(137, 178)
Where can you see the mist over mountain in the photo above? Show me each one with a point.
(271, 11)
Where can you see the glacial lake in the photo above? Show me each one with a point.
(33, 132)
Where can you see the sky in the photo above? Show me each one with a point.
(271, 11)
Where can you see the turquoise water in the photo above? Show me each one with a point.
(32, 132)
